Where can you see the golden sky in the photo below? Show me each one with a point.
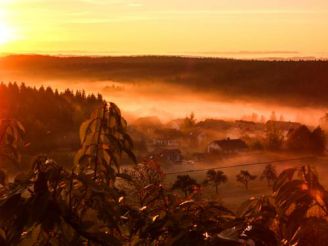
(222, 27)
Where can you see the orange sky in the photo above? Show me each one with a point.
(190, 27)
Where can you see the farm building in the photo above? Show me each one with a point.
(227, 146)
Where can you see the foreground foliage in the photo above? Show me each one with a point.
(99, 203)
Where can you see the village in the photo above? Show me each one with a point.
(186, 141)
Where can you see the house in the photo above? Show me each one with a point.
(147, 125)
(166, 138)
(166, 155)
(227, 146)
(194, 138)
(219, 125)
(283, 125)
(164, 142)
(249, 125)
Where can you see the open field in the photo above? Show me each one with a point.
(232, 193)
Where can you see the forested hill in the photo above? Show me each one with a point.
(296, 82)
(51, 118)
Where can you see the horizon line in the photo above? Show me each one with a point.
(204, 55)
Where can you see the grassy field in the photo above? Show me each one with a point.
(232, 193)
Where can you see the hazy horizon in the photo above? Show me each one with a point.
(238, 55)
(142, 90)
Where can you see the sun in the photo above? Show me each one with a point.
(6, 34)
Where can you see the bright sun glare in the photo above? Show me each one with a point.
(6, 34)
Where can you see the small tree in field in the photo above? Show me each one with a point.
(245, 177)
(185, 183)
(215, 177)
(269, 173)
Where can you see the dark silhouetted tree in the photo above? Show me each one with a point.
(48, 114)
(318, 140)
(215, 177)
(302, 139)
(274, 137)
(299, 139)
(185, 183)
(189, 121)
(245, 177)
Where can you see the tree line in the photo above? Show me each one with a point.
(292, 82)
(300, 139)
(51, 117)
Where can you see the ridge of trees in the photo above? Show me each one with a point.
(303, 82)
(47, 114)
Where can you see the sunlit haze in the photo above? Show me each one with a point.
(240, 28)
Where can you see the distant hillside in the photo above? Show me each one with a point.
(295, 82)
